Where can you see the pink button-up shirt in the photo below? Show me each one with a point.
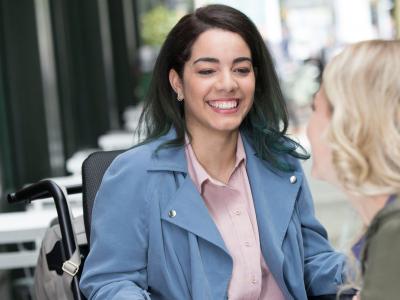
(232, 209)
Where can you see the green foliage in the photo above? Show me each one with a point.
(156, 24)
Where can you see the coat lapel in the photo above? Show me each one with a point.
(190, 212)
(274, 198)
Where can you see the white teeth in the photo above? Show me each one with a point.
(223, 104)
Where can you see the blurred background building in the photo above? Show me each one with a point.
(74, 73)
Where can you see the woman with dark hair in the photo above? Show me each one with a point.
(213, 203)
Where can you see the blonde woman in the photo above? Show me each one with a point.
(354, 132)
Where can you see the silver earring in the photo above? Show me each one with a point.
(179, 97)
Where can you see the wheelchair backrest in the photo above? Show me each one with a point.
(93, 169)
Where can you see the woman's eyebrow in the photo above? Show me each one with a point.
(206, 59)
(240, 59)
(215, 60)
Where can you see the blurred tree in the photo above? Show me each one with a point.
(397, 17)
(156, 23)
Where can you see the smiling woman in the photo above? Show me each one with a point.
(218, 86)
(213, 203)
(218, 83)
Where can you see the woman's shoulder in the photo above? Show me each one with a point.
(380, 263)
(383, 232)
(287, 161)
(141, 155)
(387, 220)
(136, 159)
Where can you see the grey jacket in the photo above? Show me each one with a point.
(381, 255)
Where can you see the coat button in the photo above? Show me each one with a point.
(172, 213)
(293, 179)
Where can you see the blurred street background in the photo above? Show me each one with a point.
(73, 75)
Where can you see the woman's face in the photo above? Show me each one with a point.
(218, 83)
(322, 167)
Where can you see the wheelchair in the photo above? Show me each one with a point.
(93, 169)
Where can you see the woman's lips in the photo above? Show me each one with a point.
(224, 105)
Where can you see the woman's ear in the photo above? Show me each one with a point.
(176, 82)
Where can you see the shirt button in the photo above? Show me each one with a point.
(247, 244)
(237, 212)
(254, 280)
(293, 179)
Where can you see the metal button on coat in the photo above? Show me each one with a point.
(293, 179)
(172, 213)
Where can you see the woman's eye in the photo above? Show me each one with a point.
(206, 72)
(242, 71)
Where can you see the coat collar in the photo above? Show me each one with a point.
(274, 195)
(168, 159)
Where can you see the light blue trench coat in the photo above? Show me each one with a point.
(138, 245)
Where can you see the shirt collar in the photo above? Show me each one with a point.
(199, 174)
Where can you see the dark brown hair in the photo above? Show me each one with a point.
(267, 121)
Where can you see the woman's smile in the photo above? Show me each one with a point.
(224, 106)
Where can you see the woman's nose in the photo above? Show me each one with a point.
(227, 82)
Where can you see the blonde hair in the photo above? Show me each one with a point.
(362, 85)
